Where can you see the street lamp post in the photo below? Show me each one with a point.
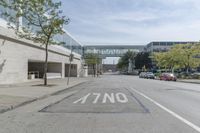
(70, 62)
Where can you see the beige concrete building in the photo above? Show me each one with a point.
(22, 59)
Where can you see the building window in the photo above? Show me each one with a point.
(156, 44)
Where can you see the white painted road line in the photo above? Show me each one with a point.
(83, 99)
(122, 99)
(111, 98)
(97, 97)
(195, 127)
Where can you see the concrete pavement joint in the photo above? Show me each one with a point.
(50, 105)
(195, 127)
(90, 112)
(139, 102)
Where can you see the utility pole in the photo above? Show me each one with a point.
(70, 62)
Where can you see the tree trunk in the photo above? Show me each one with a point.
(188, 64)
(172, 70)
(46, 64)
(187, 70)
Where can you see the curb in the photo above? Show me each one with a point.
(39, 98)
(17, 105)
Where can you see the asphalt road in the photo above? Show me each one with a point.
(111, 104)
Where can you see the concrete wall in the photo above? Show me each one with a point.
(55, 67)
(16, 53)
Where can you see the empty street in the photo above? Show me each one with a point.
(111, 104)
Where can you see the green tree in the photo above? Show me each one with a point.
(43, 22)
(143, 59)
(124, 60)
(182, 56)
(120, 64)
(168, 60)
(179, 56)
(160, 59)
(93, 60)
(187, 54)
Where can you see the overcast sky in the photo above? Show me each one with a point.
(133, 21)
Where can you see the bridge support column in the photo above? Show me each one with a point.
(100, 66)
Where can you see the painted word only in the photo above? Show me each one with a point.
(111, 98)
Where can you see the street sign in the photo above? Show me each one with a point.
(71, 57)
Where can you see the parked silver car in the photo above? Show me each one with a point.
(150, 75)
(142, 75)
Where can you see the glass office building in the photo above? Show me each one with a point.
(69, 41)
(162, 46)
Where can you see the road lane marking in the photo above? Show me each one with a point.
(195, 127)
(97, 97)
(122, 98)
(83, 99)
(110, 97)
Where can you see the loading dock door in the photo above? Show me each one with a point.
(37, 69)
(73, 72)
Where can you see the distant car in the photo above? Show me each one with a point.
(150, 75)
(168, 77)
(196, 73)
(142, 75)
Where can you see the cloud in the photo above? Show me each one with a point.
(132, 16)
(133, 20)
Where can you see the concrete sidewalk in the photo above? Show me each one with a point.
(15, 95)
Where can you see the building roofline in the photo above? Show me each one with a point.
(176, 41)
(72, 37)
(114, 45)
